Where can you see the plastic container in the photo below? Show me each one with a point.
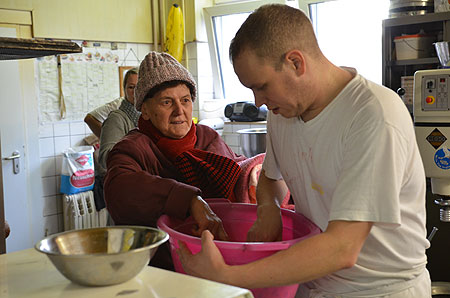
(237, 219)
(413, 46)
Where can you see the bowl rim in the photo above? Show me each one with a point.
(276, 245)
(256, 130)
(164, 239)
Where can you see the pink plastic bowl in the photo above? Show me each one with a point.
(237, 219)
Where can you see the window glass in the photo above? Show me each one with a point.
(225, 28)
(349, 33)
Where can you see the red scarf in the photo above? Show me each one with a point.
(214, 174)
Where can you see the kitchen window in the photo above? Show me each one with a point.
(349, 33)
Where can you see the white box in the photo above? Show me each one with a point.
(413, 46)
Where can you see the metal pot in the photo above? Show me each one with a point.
(440, 289)
(253, 141)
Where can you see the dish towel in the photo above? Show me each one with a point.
(245, 188)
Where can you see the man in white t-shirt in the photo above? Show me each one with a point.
(346, 150)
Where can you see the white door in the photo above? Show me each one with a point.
(12, 135)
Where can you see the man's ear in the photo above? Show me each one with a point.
(296, 60)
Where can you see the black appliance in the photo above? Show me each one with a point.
(245, 111)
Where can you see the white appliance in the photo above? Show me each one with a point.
(432, 124)
(80, 213)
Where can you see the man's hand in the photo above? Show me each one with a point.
(268, 226)
(208, 263)
(206, 219)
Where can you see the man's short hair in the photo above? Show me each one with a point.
(272, 30)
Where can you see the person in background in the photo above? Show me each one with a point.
(94, 119)
(168, 165)
(118, 123)
(346, 149)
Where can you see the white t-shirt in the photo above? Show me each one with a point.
(357, 160)
(102, 112)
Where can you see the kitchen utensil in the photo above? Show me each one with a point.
(237, 219)
(443, 53)
(440, 289)
(253, 141)
(102, 256)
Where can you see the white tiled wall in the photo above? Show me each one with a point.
(55, 137)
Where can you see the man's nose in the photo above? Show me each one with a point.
(259, 99)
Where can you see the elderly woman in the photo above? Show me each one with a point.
(168, 164)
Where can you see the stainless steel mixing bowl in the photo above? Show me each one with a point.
(253, 141)
(102, 256)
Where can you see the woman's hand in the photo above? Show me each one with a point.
(254, 174)
(268, 225)
(206, 219)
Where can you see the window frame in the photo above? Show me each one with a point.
(221, 10)
(234, 7)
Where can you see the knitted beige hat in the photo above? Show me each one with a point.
(157, 68)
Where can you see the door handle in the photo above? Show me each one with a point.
(15, 158)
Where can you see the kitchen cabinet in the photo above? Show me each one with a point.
(101, 20)
(436, 24)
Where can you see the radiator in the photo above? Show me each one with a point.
(80, 213)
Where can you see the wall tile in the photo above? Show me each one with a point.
(205, 84)
(49, 186)
(58, 164)
(46, 147)
(204, 66)
(48, 167)
(61, 144)
(61, 129)
(59, 203)
(228, 128)
(77, 128)
(231, 139)
(121, 54)
(87, 130)
(50, 206)
(58, 184)
(60, 222)
(46, 130)
(203, 49)
(191, 48)
(51, 225)
(142, 51)
(77, 141)
(192, 67)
